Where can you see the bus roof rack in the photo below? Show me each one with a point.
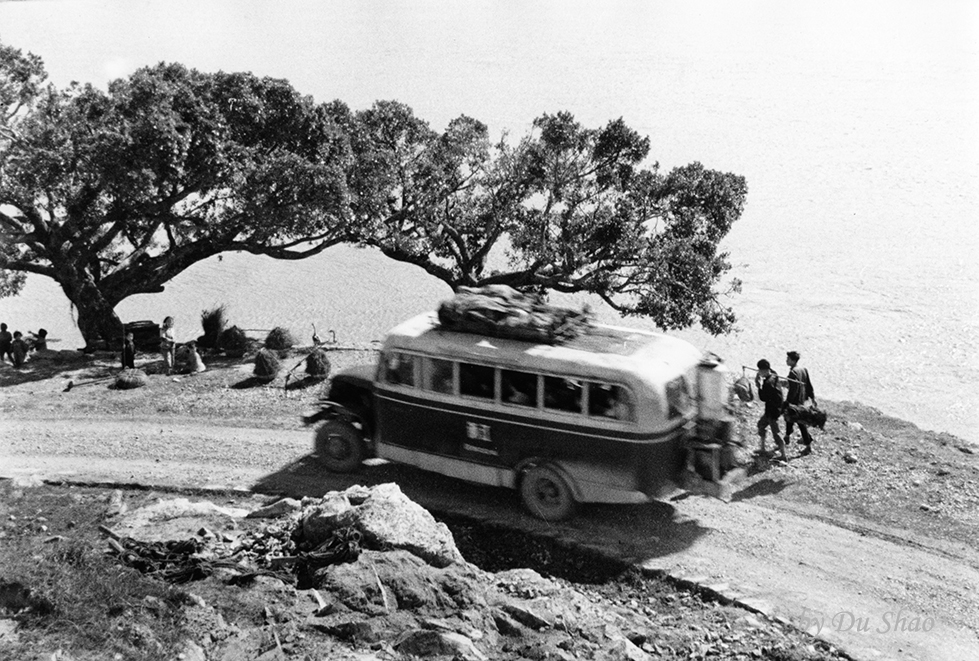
(501, 311)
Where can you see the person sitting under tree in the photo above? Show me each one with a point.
(19, 349)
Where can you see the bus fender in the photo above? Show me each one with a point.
(554, 465)
(327, 410)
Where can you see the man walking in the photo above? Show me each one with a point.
(766, 382)
(800, 390)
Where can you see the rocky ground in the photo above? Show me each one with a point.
(360, 574)
(870, 473)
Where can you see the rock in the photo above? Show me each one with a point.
(322, 517)
(116, 505)
(8, 632)
(506, 625)
(354, 630)
(153, 604)
(243, 645)
(357, 494)
(389, 519)
(379, 583)
(966, 449)
(925, 508)
(525, 616)
(191, 651)
(427, 643)
(26, 482)
(855, 426)
(752, 621)
(526, 583)
(621, 649)
(276, 509)
(850, 457)
(274, 654)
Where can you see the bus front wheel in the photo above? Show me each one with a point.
(546, 494)
(339, 446)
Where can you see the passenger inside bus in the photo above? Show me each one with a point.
(519, 388)
(400, 369)
(609, 401)
(476, 380)
(438, 376)
(562, 394)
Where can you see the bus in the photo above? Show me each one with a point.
(613, 415)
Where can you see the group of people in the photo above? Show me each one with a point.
(16, 347)
(799, 393)
(168, 349)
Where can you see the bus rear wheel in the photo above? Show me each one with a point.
(546, 494)
(339, 446)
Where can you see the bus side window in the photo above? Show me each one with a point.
(476, 380)
(610, 401)
(399, 369)
(438, 376)
(562, 394)
(518, 388)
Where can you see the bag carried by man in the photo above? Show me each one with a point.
(742, 388)
(810, 415)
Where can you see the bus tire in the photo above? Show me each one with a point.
(339, 446)
(546, 494)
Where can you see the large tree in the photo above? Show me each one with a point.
(113, 193)
(566, 208)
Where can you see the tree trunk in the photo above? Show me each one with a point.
(98, 322)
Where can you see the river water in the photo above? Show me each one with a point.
(855, 124)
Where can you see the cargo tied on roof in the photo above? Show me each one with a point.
(501, 311)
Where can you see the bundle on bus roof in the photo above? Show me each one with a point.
(501, 311)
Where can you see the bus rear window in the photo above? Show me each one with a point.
(677, 398)
(610, 401)
(399, 369)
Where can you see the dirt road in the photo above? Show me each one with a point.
(876, 593)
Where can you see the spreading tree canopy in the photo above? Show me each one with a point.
(566, 208)
(113, 193)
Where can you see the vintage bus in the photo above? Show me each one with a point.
(614, 415)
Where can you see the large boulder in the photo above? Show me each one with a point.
(385, 518)
(383, 582)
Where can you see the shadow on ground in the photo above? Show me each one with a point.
(304, 383)
(763, 487)
(250, 382)
(83, 367)
(630, 532)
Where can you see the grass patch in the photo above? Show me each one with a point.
(67, 593)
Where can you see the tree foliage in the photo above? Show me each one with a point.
(113, 193)
(570, 208)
